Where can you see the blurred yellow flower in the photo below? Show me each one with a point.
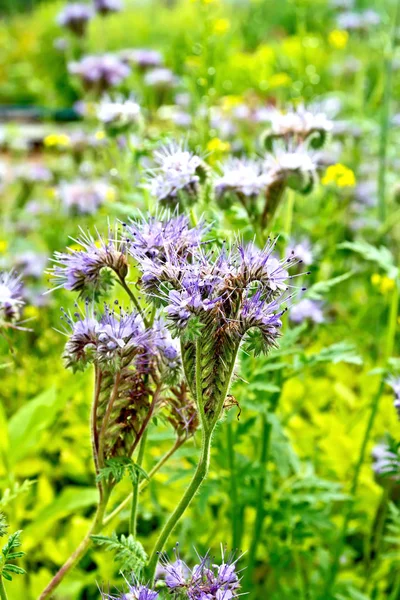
(31, 312)
(279, 80)
(3, 245)
(51, 193)
(193, 61)
(100, 135)
(54, 140)
(339, 175)
(231, 101)
(221, 26)
(111, 195)
(217, 145)
(384, 283)
(338, 38)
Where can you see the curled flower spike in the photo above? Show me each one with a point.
(83, 270)
(99, 73)
(177, 176)
(143, 58)
(206, 581)
(119, 114)
(294, 166)
(298, 126)
(136, 592)
(11, 301)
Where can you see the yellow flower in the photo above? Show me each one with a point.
(376, 279)
(100, 135)
(54, 140)
(221, 26)
(31, 312)
(111, 195)
(338, 38)
(3, 245)
(193, 62)
(279, 80)
(387, 284)
(217, 145)
(339, 175)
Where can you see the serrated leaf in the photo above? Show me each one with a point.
(129, 553)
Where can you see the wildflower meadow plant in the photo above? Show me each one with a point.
(174, 353)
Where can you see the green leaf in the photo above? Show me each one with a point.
(27, 424)
(381, 256)
(319, 290)
(129, 553)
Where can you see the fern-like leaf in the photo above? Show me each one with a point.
(129, 554)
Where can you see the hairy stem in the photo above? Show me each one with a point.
(233, 487)
(104, 425)
(3, 593)
(197, 480)
(135, 493)
(76, 556)
(135, 301)
(143, 484)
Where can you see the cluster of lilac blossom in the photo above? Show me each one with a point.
(358, 21)
(11, 298)
(205, 581)
(75, 16)
(118, 114)
(100, 72)
(84, 196)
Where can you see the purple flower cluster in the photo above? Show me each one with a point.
(241, 178)
(307, 310)
(100, 72)
(84, 197)
(206, 581)
(105, 7)
(75, 17)
(160, 78)
(81, 270)
(11, 301)
(142, 58)
(136, 592)
(178, 172)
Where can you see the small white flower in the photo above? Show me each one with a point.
(118, 112)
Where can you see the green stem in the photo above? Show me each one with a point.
(395, 595)
(233, 482)
(260, 513)
(80, 551)
(197, 480)
(135, 494)
(385, 119)
(3, 593)
(354, 486)
(392, 326)
(135, 301)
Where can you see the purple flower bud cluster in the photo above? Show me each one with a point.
(136, 592)
(394, 383)
(100, 72)
(242, 178)
(160, 78)
(206, 581)
(75, 17)
(81, 270)
(105, 7)
(385, 462)
(143, 58)
(11, 299)
(307, 310)
(178, 172)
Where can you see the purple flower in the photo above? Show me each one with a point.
(136, 592)
(264, 316)
(105, 7)
(82, 270)
(31, 174)
(394, 383)
(11, 301)
(243, 178)
(100, 72)
(301, 250)
(307, 310)
(142, 57)
(178, 172)
(384, 461)
(75, 17)
(85, 197)
(160, 78)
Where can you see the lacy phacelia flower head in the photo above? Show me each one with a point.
(142, 58)
(385, 463)
(100, 72)
(394, 383)
(119, 114)
(82, 270)
(75, 17)
(307, 310)
(293, 167)
(136, 592)
(105, 7)
(11, 301)
(242, 180)
(206, 581)
(82, 197)
(177, 175)
(298, 126)
(161, 79)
